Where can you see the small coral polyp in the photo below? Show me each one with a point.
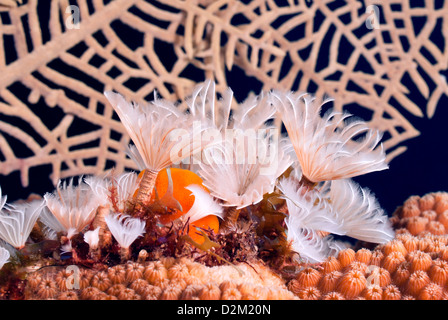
(259, 225)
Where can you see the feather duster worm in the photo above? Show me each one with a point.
(125, 230)
(327, 148)
(73, 206)
(17, 221)
(155, 130)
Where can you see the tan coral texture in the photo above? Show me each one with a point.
(169, 279)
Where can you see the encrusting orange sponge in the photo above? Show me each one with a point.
(182, 178)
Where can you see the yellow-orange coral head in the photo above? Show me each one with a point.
(328, 147)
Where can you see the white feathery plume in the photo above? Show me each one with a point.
(253, 112)
(124, 228)
(17, 222)
(4, 257)
(309, 245)
(154, 129)
(204, 105)
(73, 206)
(126, 184)
(92, 237)
(204, 205)
(327, 148)
(49, 233)
(241, 174)
(50, 221)
(100, 188)
(359, 213)
(307, 210)
(211, 112)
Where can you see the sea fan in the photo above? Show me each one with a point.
(359, 213)
(328, 148)
(73, 206)
(17, 221)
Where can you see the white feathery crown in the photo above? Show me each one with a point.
(154, 130)
(124, 228)
(50, 221)
(343, 208)
(73, 206)
(125, 183)
(239, 174)
(18, 220)
(328, 148)
(359, 213)
(307, 209)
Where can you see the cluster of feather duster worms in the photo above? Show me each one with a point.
(216, 180)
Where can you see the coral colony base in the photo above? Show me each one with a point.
(226, 207)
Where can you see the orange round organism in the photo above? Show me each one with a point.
(210, 221)
(183, 178)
